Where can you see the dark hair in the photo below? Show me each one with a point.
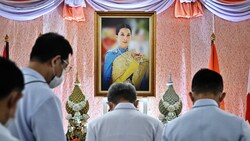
(207, 81)
(119, 91)
(11, 78)
(50, 45)
(119, 27)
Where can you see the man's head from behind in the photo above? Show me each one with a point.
(207, 84)
(48, 46)
(121, 92)
(11, 86)
(51, 50)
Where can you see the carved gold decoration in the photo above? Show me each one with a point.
(6, 38)
(170, 105)
(77, 107)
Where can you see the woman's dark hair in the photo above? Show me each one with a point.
(119, 27)
(11, 78)
(50, 45)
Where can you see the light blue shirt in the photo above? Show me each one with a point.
(5, 134)
(125, 123)
(108, 63)
(39, 114)
(206, 122)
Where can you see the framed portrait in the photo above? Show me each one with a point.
(125, 51)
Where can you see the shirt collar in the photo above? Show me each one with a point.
(121, 106)
(33, 73)
(205, 102)
(123, 50)
(4, 130)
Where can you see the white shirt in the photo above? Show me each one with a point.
(206, 122)
(5, 134)
(39, 113)
(125, 123)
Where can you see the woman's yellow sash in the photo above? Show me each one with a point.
(125, 65)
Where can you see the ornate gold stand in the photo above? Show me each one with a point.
(77, 107)
(170, 105)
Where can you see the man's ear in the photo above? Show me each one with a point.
(222, 96)
(55, 59)
(111, 106)
(191, 96)
(136, 103)
(15, 96)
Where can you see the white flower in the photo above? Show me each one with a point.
(161, 117)
(84, 130)
(82, 104)
(171, 108)
(76, 107)
(69, 116)
(70, 103)
(172, 115)
(165, 104)
(77, 114)
(85, 117)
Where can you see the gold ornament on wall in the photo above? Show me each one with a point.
(170, 105)
(77, 107)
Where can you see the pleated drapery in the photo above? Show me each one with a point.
(230, 10)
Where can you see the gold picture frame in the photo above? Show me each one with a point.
(134, 63)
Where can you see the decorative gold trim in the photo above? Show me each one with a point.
(6, 38)
(213, 37)
(98, 15)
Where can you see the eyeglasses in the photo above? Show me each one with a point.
(67, 68)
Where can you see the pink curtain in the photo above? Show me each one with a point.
(73, 13)
(23, 10)
(74, 10)
(231, 1)
(188, 10)
(131, 5)
(231, 10)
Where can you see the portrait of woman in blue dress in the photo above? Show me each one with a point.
(124, 65)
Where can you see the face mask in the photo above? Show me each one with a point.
(56, 81)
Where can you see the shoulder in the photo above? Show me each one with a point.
(230, 117)
(112, 54)
(152, 119)
(148, 119)
(7, 137)
(96, 122)
(113, 51)
(109, 116)
(5, 134)
(39, 89)
(40, 95)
